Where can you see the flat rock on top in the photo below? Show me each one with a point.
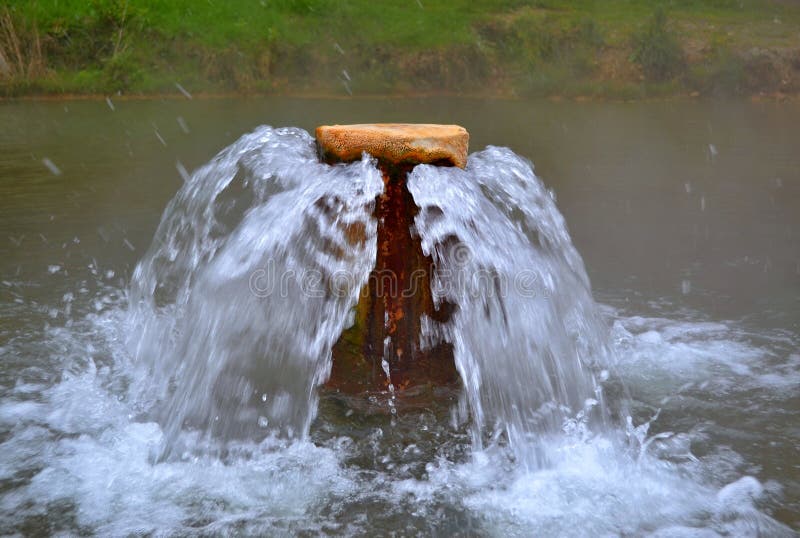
(397, 143)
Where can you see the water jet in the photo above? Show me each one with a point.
(370, 260)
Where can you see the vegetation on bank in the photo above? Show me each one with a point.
(613, 48)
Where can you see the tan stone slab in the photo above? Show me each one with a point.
(397, 143)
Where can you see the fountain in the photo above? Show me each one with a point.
(391, 265)
(264, 374)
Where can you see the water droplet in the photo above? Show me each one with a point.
(183, 91)
(183, 125)
(712, 152)
(51, 166)
(686, 287)
(182, 171)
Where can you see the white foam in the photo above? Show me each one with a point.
(664, 355)
(84, 444)
(89, 452)
(594, 489)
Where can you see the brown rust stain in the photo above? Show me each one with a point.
(388, 315)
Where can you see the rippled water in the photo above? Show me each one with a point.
(712, 394)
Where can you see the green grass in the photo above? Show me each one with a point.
(535, 47)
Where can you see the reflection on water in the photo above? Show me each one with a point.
(686, 216)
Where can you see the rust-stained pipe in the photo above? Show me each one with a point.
(398, 293)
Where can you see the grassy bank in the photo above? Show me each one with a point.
(613, 48)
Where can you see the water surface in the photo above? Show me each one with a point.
(687, 216)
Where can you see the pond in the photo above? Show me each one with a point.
(686, 214)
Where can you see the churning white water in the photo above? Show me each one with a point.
(188, 404)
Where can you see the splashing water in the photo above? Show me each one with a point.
(526, 329)
(187, 405)
(236, 311)
(237, 303)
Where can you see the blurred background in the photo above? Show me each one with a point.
(621, 49)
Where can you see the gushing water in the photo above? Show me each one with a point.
(186, 405)
(237, 303)
(526, 330)
(259, 259)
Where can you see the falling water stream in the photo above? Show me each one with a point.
(234, 310)
(189, 397)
